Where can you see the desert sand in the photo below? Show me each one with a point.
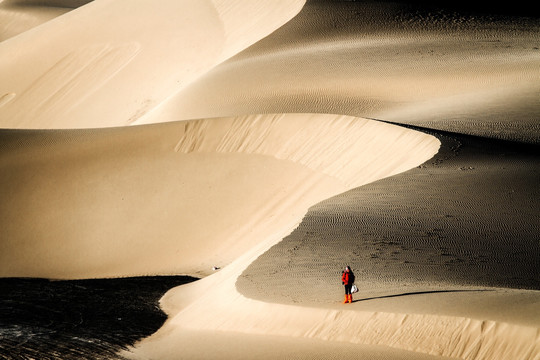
(277, 142)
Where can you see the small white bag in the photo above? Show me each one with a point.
(354, 289)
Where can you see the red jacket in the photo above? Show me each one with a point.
(345, 278)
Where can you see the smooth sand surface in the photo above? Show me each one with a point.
(179, 197)
(231, 345)
(18, 16)
(441, 228)
(109, 63)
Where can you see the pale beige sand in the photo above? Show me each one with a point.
(18, 16)
(182, 197)
(97, 67)
(231, 345)
(179, 197)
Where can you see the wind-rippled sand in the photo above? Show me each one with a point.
(264, 145)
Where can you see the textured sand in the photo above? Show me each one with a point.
(441, 228)
(395, 62)
(475, 225)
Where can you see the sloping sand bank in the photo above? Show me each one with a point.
(18, 16)
(420, 300)
(203, 345)
(179, 197)
(109, 69)
(391, 61)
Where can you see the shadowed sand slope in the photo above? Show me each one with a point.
(397, 62)
(467, 217)
(179, 197)
(79, 319)
(125, 66)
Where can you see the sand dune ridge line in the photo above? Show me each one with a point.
(304, 142)
(208, 173)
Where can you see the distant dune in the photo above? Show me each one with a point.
(109, 69)
(395, 62)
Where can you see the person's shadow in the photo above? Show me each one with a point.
(417, 293)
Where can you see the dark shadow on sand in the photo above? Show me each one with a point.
(418, 293)
(82, 319)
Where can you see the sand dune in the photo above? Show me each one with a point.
(110, 69)
(459, 234)
(446, 71)
(141, 138)
(443, 287)
(179, 197)
(18, 16)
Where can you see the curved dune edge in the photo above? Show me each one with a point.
(180, 197)
(194, 307)
(123, 68)
(382, 60)
(456, 337)
(214, 305)
(321, 155)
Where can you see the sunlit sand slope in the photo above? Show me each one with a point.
(179, 197)
(396, 62)
(429, 247)
(99, 67)
(18, 16)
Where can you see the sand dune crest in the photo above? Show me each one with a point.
(205, 178)
(112, 75)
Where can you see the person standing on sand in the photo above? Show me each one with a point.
(347, 279)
